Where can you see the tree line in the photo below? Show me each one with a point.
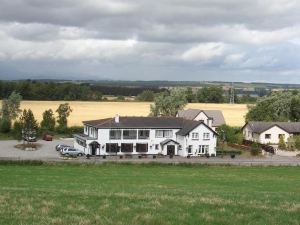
(38, 90)
(15, 121)
(210, 94)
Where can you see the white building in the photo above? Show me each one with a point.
(270, 132)
(146, 135)
(212, 118)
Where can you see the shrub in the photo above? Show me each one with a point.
(255, 149)
(230, 134)
(5, 125)
(291, 144)
(17, 130)
(281, 144)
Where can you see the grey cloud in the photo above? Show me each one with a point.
(202, 39)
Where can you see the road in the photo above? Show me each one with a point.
(47, 153)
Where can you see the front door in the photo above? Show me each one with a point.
(170, 149)
(94, 146)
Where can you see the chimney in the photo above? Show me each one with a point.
(117, 118)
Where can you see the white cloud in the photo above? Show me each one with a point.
(234, 58)
(204, 52)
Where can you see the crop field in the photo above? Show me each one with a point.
(148, 194)
(234, 114)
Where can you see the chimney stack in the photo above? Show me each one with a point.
(117, 118)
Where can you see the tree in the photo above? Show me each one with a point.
(10, 111)
(48, 122)
(281, 144)
(168, 103)
(28, 124)
(210, 95)
(190, 96)
(64, 111)
(275, 107)
(146, 96)
(295, 109)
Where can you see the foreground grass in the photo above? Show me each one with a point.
(148, 194)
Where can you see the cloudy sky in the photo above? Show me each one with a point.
(225, 40)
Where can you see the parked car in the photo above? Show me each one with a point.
(47, 137)
(61, 146)
(72, 151)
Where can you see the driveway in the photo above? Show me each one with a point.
(46, 151)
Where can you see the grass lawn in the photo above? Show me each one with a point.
(148, 194)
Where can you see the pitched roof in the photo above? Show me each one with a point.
(259, 127)
(184, 125)
(167, 141)
(216, 115)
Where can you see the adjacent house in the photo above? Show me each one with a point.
(270, 132)
(212, 118)
(146, 135)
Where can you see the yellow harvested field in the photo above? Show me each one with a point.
(234, 114)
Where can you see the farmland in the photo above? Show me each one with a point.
(234, 114)
(148, 194)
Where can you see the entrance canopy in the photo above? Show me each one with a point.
(169, 141)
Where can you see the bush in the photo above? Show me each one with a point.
(281, 144)
(17, 130)
(69, 131)
(255, 149)
(5, 125)
(230, 134)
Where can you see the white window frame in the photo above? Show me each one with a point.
(195, 136)
(203, 149)
(206, 136)
(163, 133)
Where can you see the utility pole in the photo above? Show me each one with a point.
(231, 99)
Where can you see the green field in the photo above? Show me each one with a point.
(148, 194)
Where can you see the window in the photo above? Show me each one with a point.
(203, 149)
(126, 147)
(141, 147)
(144, 134)
(267, 136)
(206, 136)
(115, 134)
(156, 147)
(190, 149)
(81, 142)
(195, 136)
(112, 148)
(129, 134)
(86, 129)
(163, 133)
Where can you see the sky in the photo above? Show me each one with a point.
(199, 40)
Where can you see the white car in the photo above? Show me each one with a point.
(71, 151)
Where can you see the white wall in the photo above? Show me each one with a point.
(188, 140)
(274, 131)
(248, 135)
(184, 142)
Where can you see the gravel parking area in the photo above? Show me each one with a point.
(47, 152)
